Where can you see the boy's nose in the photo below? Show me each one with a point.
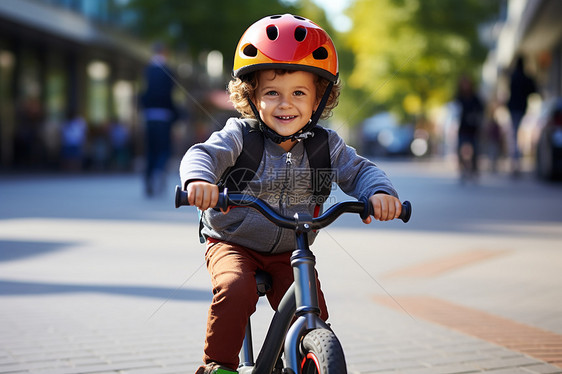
(286, 101)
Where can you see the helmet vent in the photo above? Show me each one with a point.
(320, 54)
(300, 18)
(300, 33)
(250, 51)
(272, 32)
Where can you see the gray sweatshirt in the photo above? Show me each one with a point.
(282, 180)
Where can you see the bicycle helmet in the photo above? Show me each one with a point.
(287, 42)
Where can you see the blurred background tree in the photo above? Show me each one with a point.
(406, 55)
(196, 27)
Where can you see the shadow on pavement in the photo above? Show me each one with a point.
(13, 250)
(14, 288)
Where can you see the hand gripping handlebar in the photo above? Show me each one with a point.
(226, 200)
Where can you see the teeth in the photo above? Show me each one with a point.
(286, 117)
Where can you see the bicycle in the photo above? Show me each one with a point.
(308, 344)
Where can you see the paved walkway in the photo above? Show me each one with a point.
(87, 291)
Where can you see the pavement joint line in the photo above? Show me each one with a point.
(445, 264)
(540, 344)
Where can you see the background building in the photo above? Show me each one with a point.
(58, 60)
(531, 29)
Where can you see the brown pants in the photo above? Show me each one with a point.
(232, 269)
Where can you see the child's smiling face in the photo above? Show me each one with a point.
(286, 101)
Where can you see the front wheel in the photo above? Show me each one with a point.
(322, 353)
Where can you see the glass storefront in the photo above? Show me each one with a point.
(49, 75)
(98, 98)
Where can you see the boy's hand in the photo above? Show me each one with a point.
(203, 195)
(385, 207)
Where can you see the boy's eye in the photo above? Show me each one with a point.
(271, 93)
(299, 93)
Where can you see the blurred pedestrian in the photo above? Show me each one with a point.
(99, 151)
(119, 139)
(470, 122)
(159, 115)
(29, 150)
(494, 137)
(521, 87)
(73, 140)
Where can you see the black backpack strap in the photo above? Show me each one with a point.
(236, 177)
(322, 175)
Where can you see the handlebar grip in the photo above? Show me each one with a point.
(405, 214)
(181, 197)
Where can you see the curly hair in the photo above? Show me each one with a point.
(243, 88)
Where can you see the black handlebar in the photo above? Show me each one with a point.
(303, 222)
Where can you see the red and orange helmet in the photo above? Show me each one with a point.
(286, 42)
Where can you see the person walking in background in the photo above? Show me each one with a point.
(159, 114)
(494, 136)
(470, 121)
(521, 87)
(120, 141)
(73, 141)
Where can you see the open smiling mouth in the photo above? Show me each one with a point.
(285, 118)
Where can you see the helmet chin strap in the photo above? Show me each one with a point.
(303, 133)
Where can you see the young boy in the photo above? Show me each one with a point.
(285, 78)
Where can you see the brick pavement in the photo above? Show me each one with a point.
(123, 295)
(531, 341)
(421, 335)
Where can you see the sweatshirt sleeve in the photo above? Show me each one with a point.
(354, 174)
(209, 160)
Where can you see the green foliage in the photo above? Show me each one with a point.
(196, 26)
(409, 53)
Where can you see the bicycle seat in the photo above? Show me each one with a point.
(263, 282)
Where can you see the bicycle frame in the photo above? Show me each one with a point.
(300, 300)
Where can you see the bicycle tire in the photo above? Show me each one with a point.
(322, 353)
